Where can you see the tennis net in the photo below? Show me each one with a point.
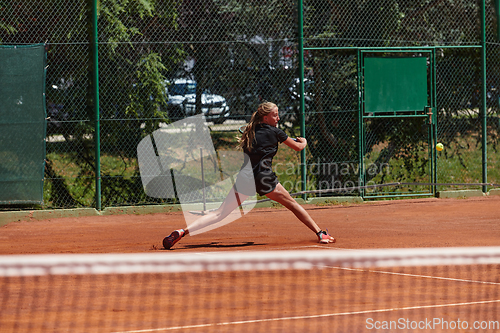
(389, 290)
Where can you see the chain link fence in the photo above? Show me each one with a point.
(163, 61)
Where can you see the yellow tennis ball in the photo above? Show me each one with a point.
(439, 147)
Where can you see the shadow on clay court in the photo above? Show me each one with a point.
(221, 245)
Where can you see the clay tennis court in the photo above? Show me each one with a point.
(428, 222)
(350, 299)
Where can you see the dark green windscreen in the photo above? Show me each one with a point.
(22, 124)
(395, 84)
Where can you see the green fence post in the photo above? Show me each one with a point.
(484, 139)
(303, 169)
(496, 5)
(361, 147)
(95, 85)
(434, 118)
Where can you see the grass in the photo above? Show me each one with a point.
(461, 162)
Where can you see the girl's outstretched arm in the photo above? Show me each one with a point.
(296, 144)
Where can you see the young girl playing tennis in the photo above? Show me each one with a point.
(259, 143)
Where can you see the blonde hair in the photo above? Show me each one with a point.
(246, 140)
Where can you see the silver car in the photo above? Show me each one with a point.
(182, 102)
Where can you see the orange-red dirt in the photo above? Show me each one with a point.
(427, 222)
(329, 300)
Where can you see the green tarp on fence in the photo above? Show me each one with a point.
(22, 124)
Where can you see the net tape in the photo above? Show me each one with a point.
(255, 291)
(39, 265)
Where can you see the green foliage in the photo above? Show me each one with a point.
(238, 50)
(332, 116)
(7, 28)
(131, 91)
(147, 97)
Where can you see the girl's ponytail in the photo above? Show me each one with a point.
(245, 142)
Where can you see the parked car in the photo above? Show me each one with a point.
(182, 102)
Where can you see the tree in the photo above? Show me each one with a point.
(388, 23)
(134, 55)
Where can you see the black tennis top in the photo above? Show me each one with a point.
(265, 146)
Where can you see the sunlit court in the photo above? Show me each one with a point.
(249, 166)
(110, 273)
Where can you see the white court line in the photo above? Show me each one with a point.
(334, 314)
(308, 317)
(414, 275)
(340, 313)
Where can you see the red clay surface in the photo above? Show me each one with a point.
(428, 222)
(329, 300)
